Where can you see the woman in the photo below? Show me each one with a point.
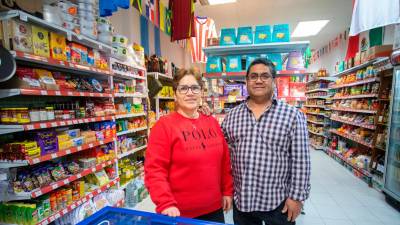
(187, 166)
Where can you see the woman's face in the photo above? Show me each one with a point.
(188, 93)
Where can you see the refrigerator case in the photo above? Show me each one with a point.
(392, 171)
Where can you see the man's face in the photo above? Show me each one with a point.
(260, 82)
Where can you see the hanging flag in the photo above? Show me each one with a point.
(150, 10)
(137, 4)
(375, 37)
(157, 45)
(156, 10)
(168, 24)
(144, 34)
(162, 16)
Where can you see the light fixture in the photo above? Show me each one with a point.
(309, 28)
(216, 2)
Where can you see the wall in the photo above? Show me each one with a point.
(127, 22)
(328, 61)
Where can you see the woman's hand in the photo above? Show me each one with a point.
(171, 211)
(227, 203)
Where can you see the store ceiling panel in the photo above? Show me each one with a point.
(257, 12)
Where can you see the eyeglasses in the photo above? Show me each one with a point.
(263, 76)
(184, 89)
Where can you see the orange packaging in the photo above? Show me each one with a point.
(58, 46)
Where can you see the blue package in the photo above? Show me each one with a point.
(228, 36)
(234, 63)
(250, 59)
(214, 65)
(280, 33)
(263, 34)
(245, 36)
(276, 59)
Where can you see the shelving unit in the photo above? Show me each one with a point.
(218, 101)
(367, 121)
(166, 80)
(316, 109)
(110, 95)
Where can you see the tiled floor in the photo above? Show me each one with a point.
(337, 198)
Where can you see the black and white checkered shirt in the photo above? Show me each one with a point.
(270, 157)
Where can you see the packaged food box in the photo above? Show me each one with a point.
(276, 59)
(87, 163)
(263, 34)
(21, 34)
(233, 90)
(379, 51)
(40, 41)
(47, 141)
(244, 36)
(233, 63)
(250, 59)
(214, 64)
(295, 61)
(62, 145)
(228, 36)
(282, 85)
(58, 46)
(281, 33)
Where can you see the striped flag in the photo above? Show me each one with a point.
(150, 10)
(162, 15)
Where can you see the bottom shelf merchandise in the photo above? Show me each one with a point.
(108, 198)
(316, 140)
(49, 207)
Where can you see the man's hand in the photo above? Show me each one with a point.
(227, 203)
(205, 109)
(293, 208)
(171, 211)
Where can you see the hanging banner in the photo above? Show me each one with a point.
(144, 34)
(162, 11)
(157, 44)
(137, 4)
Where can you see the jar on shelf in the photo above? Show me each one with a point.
(43, 114)
(58, 114)
(5, 115)
(34, 115)
(66, 115)
(13, 115)
(50, 113)
(22, 115)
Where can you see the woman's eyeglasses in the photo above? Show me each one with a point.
(184, 89)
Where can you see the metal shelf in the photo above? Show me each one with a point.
(329, 79)
(131, 115)
(165, 98)
(365, 81)
(315, 122)
(317, 97)
(242, 74)
(319, 134)
(5, 129)
(129, 95)
(131, 131)
(354, 110)
(356, 96)
(317, 90)
(279, 47)
(4, 93)
(317, 114)
(159, 76)
(315, 106)
(316, 147)
(133, 151)
(71, 36)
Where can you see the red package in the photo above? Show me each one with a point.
(297, 89)
(282, 84)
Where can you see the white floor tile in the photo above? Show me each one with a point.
(360, 213)
(305, 220)
(330, 211)
(337, 222)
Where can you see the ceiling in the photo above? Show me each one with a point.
(259, 12)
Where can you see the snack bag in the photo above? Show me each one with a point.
(228, 36)
(58, 46)
(21, 36)
(40, 41)
(245, 36)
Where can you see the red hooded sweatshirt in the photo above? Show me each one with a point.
(187, 165)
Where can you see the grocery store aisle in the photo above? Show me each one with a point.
(337, 198)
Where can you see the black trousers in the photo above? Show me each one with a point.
(216, 216)
(274, 217)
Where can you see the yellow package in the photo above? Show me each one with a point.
(63, 137)
(58, 46)
(62, 145)
(40, 39)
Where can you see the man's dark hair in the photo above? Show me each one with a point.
(265, 62)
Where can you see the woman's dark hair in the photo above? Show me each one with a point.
(182, 73)
(265, 62)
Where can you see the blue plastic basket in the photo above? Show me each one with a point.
(121, 216)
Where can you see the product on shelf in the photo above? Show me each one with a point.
(21, 36)
(125, 143)
(166, 91)
(357, 104)
(152, 118)
(130, 124)
(357, 133)
(315, 128)
(318, 94)
(52, 141)
(127, 108)
(130, 87)
(360, 119)
(352, 155)
(130, 168)
(318, 85)
(166, 107)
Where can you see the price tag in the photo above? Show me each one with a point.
(79, 175)
(66, 182)
(30, 127)
(54, 124)
(43, 92)
(91, 145)
(91, 94)
(43, 125)
(62, 63)
(81, 94)
(23, 17)
(58, 93)
(54, 186)
(65, 211)
(69, 93)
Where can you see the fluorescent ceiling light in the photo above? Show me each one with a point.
(309, 28)
(217, 2)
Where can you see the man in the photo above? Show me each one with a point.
(270, 156)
